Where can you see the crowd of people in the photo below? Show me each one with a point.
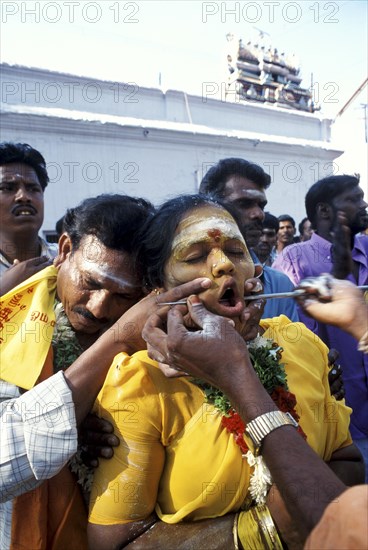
(150, 394)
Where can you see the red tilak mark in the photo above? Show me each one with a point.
(215, 234)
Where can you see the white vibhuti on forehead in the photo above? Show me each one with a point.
(194, 229)
(102, 272)
(94, 261)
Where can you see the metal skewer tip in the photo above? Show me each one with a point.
(291, 294)
(179, 303)
(251, 297)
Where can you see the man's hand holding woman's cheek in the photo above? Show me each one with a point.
(212, 327)
(128, 329)
(203, 353)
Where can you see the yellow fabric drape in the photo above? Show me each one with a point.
(221, 485)
(323, 419)
(26, 326)
(174, 454)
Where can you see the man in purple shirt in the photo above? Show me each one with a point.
(323, 201)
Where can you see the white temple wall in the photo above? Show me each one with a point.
(160, 145)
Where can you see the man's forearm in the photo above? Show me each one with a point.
(305, 482)
(86, 375)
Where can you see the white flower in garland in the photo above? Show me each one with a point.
(260, 480)
(259, 342)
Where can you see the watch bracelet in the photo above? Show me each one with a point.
(264, 424)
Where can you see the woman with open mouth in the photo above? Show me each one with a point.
(183, 452)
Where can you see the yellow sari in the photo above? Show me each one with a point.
(174, 455)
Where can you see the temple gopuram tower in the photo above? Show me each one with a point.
(258, 73)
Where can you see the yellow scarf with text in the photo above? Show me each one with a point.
(27, 323)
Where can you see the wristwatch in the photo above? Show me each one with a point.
(257, 429)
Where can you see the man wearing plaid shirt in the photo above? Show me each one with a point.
(39, 427)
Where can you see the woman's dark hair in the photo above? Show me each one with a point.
(158, 234)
